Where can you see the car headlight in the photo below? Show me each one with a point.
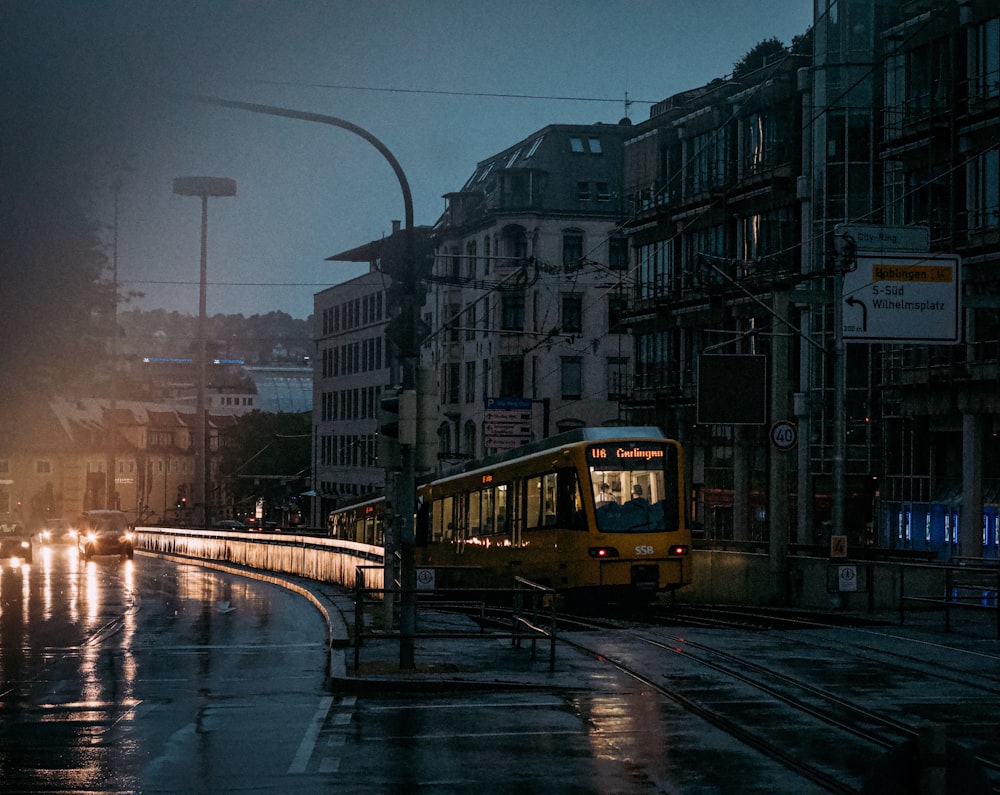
(25, 544)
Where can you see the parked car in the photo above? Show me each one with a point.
(105, 533)
(230, 524)
(15, 541)
(57, 531)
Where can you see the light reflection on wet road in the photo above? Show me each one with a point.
(150, 676)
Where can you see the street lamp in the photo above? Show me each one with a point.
(203, 187)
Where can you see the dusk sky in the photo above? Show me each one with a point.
(443, 84)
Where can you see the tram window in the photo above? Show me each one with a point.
(569, 506)
(533, 515)
(475, 514)
(443, 518)
(515, 505)
(549, 492)
(460, 516)
(486, 495)
(501, 524)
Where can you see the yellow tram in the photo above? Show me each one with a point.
(593, 511)
(598, 510)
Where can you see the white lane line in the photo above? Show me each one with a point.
(329, 764)
(308, 743)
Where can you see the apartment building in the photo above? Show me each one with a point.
(525, 295)
(351, 369)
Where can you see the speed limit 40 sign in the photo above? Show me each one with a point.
(784, 434)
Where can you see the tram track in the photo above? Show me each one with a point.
(857, 731)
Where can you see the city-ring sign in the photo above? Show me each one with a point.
(902, 298)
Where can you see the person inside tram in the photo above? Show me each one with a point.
(604, 495)
(638, 500)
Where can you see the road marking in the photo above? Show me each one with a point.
(329, 764)
(308, 743)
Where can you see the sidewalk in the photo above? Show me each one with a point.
(470, 659)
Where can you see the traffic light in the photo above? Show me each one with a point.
(397, 425)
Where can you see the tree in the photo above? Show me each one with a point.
(762, 53)
(266, 455)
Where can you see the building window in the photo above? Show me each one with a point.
(571, 377)
(603, 192)
(452, 385)
(618, 253)
(470, 318)
(983, 189)
(512, 312)
(470, 259)
(617, 378)
(576, 146)
(572, 313)
(469, 438)
(470, 382)
(511, 376)
(583, 191)
(572, 247)
(984, 60)
(595, 146)
(617, 304)
(4, 466)
(453, 311)
(43, 467)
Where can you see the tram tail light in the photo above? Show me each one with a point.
(678, 549)
(603, 552)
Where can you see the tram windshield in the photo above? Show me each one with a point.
(634, 487)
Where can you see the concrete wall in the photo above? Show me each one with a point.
(742, 578)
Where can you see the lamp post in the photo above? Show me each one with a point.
(404, 540)
(203, 187)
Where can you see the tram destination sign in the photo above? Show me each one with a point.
(902, 298)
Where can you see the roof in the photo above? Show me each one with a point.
(286, 390)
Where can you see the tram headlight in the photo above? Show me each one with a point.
(603, 552)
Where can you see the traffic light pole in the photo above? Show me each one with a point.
(406, 491)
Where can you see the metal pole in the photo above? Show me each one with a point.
(111, 500)
(203, 187)
(406, 490)
(839, 410)
(777, 512)
(201, 423)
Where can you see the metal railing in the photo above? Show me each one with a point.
(957, 588)
(533, 614)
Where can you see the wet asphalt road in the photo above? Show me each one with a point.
(148, 676)
(154, 676)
